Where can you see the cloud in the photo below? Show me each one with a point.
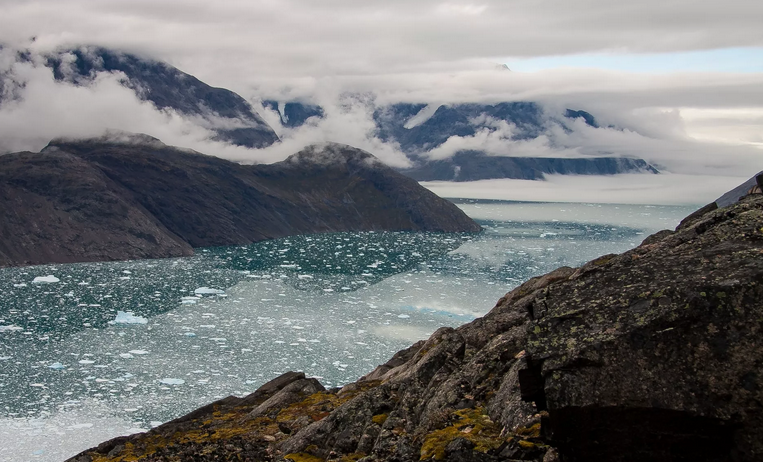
(666, 189)
(348, 119)
(428, 51)
(293, 38)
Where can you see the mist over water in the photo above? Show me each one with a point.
(116, 348)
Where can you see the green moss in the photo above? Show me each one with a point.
(302, 457)
(379, 419)
(532, 431)
(354, 457)
(471, 424)
(601, 261)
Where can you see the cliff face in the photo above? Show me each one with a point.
(101, 200)
(651, 355)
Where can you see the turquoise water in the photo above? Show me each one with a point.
(228, 319)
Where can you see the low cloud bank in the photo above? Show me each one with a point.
(666, 189)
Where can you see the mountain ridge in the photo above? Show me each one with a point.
(105, 199)
(232, 119)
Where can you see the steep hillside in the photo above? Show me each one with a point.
(102, 199)
(651, 355)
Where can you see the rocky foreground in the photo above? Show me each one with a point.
(133, 197)
(652, 355)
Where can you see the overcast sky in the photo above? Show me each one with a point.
(686, 72)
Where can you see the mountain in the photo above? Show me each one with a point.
(394, 122)
(229, 115)
(476, 165)
(294, 114)
(414, 128)
(651, 355)
(420, 128)
(128, 197)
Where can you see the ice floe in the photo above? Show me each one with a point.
(208, 291)
(49, 279)
(171, 381)
(10, 328)
(128, 317)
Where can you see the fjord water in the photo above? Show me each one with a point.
(91, 351)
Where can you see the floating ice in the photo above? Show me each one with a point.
(403, 316)
(139, 352)
(128, 317)
(57, 366)
(80, 426)
(208, 291)
(10, 328)
(23, 284)
(49, 279)
(87, 361)
(126, 355)
(169, 381)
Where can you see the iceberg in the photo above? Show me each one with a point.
(10, 328)
(49, 279)
(172, 381)
(208, 291)
(128, 317)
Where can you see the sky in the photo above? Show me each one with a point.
(685, 78)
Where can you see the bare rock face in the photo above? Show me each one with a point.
(651, 355)
(131, 197)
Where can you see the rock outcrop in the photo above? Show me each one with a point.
(652, 355)
(107, 199)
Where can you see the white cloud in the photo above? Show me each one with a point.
(666, 189)
(427, 51)
(461, 9)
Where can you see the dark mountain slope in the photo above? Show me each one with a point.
(59, 208)
(454, 120)
(651, 355)
(228, 114)
(75, 190)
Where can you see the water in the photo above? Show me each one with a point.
(104, 349)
